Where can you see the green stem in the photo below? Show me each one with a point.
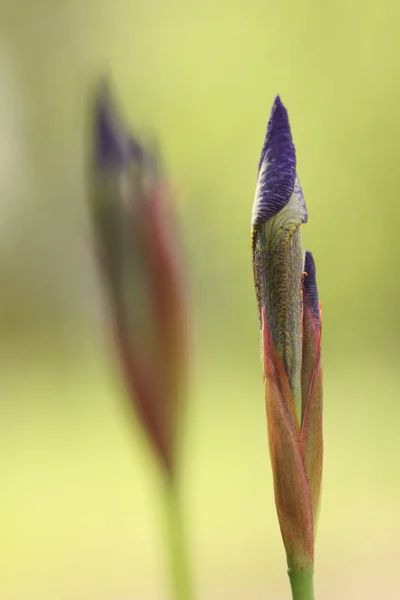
(302, 584)
(176, 545)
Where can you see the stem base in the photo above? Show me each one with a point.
(302, 584)
(176, 544)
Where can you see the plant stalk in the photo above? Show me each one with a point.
(176, 544)
(302, 584)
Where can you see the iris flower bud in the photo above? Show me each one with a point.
(290, 322)
(140, 256)
(311, 384)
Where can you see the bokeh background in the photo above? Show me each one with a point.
(81, 509)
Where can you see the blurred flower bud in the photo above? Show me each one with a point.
(140, 256)
(290, 340)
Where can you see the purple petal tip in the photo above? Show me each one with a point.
(277, 166)
(278, 138)
(113, 145)
(310, 284)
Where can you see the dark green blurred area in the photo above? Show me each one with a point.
(80, 513)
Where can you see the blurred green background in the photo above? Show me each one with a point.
(80, 510)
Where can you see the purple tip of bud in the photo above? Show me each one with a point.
(113, 143)
(277, 166)
(310, 284)
(274, 119)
